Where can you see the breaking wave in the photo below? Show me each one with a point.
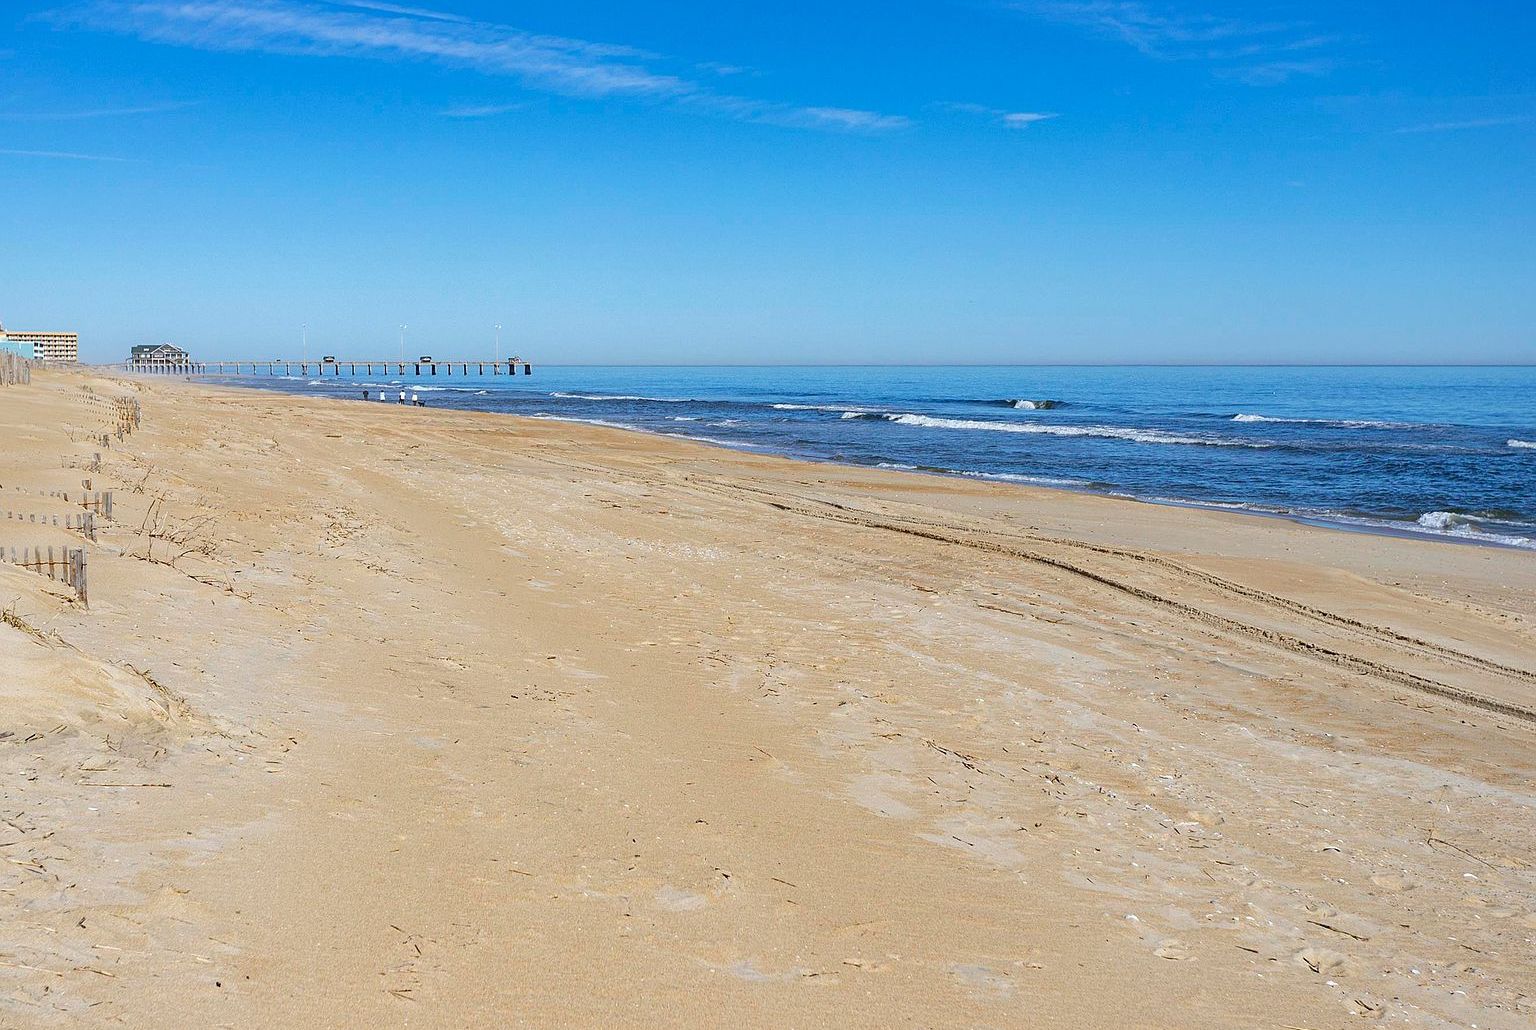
(621, 397)
(843, 408)
(1524, 444)
(1442, 519)
(1341, 423)
(1150, 436)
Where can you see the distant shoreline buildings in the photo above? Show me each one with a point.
(49, 348)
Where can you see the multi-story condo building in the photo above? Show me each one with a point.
(55, 348)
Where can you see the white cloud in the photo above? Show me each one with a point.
(848, 118)
(1249, 50)
(62, 155)
(1024, 119)
(100, 112)
(1012, 119)
(482, 110)
(1472, 123)
(381, 31)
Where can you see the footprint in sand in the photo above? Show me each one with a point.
(675, 899)
(983, 981)
(1173, 949)
(1394, 882)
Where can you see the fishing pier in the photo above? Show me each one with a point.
(330, 367)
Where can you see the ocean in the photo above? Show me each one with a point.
(1447, 453)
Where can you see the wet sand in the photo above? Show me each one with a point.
(385, 716)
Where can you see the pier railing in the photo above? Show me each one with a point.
(498, 367)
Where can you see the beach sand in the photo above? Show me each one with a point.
(446, 719)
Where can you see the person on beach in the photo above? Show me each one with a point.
(402, 396)
(416, 400)
(365, 395)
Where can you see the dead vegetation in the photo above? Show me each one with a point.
(185, 543)
(174, 704)
(168, 539)
(13, 619)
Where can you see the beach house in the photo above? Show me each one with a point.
(158, 354)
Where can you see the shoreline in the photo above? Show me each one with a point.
(1363, 524)
(420, 711)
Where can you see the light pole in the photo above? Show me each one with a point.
(498, 343)
(304, 340)
(403, 328)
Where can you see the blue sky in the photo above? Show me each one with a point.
(928, 180)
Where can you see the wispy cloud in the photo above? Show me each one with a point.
(482, 110)
(1246, 49)
(62, 155)
(386, 8)
(381, 31)
(724, 70)
(1011, 119)
(1273, 73)
(1471, 123)
(99, 112)
(845, 118)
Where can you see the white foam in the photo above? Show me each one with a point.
(1151, 436)
(1004, 477)
(1433, 524)
(1011, 477)
(620, 397)
(546, 417)
(733, 444)
(1526, 444)
(584, 421)
(1342, 423)
(846, 409)
(1441, 519)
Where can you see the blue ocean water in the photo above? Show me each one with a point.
(1444, 452)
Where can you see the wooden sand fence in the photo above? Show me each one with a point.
(121, 414)
(83, 523)
(67, 567)
(128, 416)
(97, 502)
(15, 370)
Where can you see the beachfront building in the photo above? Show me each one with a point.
(50, 348)
(159, 355)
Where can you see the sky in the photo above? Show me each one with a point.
(924, 181)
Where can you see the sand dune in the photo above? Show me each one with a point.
(383, 716)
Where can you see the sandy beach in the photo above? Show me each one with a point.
(385, 716)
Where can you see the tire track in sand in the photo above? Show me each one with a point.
(1272, 605)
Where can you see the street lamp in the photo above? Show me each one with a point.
(498, 343)
(304, 340)
(403, 328)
